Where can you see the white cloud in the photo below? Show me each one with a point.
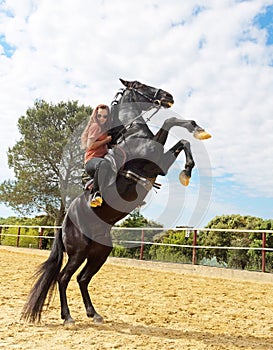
(208, 54)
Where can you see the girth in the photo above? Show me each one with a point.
(146, 183)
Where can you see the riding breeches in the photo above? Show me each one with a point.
(99, 169)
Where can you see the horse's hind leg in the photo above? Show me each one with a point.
(170, 156)
(70, 268)
(96, 258)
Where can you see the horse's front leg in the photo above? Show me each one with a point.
(198, 132)
(170, 156)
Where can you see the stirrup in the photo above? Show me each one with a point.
(96, 200)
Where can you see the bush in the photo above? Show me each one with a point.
(172, 253)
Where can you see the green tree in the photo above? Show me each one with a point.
(9, 234)
(134, 220)
(46, 160)
(256, 242)
(173, 253)
(240, 258)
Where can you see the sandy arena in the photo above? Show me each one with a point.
(144, 307)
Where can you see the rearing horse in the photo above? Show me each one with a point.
(85, 235)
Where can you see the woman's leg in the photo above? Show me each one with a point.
(91, 168)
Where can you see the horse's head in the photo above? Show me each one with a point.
(130, 105)
(145, 93)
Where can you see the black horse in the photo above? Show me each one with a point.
(138, 158)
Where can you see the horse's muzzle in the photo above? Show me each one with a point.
(167, 104)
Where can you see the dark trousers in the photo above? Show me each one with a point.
(91, 167)
(100, 170)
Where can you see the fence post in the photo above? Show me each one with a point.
(142, 245)
(194, 243)
(18, 236)
(263, 250)
(1, 235)
(41, 231)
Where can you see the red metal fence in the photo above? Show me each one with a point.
(194, 246)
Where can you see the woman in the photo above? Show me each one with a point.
(94, 140)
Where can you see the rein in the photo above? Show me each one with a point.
(128, 126)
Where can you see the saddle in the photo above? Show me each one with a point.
(117, 159)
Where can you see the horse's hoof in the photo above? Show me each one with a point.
(70, 323)
(202, 135)
(97, 319)
(184, 179)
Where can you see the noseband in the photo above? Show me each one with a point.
(154, 100)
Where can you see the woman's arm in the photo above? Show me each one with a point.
(91, 144)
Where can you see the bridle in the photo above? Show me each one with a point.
(153, 100)
(156, 103)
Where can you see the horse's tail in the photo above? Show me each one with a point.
(47, 275)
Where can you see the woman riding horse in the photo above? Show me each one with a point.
(85, 234)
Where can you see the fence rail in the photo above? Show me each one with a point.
(194, 246)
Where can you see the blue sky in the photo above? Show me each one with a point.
(220, 73)
(8, 50)
(264, 21)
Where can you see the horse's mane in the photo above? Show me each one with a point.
(117, 127)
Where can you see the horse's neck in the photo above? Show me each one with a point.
(128, 114)
(124, 115)
(128, 121)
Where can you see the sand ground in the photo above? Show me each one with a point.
(143, 308)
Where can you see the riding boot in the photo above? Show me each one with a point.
(96, 198)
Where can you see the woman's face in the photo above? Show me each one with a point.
(102, 116)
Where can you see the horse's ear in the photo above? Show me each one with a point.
(126, 83)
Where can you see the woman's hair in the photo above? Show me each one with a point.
(94, 119)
